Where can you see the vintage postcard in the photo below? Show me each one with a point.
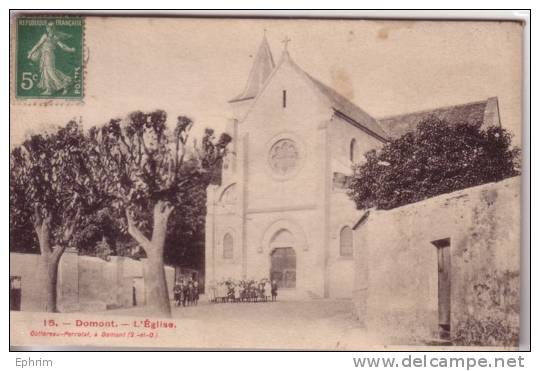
(270, 184)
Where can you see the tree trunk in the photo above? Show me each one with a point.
(47, 281)
(42, 285)
(157, 294)
(47, 270)
(46, 278)
(52, 304)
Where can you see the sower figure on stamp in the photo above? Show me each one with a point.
(50, 78)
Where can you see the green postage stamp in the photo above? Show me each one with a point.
(49, 58)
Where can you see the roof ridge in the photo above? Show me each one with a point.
(436, 109)
(377, 129)
(340, 95)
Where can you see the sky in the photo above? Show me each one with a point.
(194, 66)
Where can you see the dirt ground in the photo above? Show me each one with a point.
(310, 324)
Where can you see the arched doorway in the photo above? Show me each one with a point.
(282, 242)
(283, 267)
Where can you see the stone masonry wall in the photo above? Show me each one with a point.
(86, 283)
(396, 267)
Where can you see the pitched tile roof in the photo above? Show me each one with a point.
(485, 111)
(349, 109)
(474, 112)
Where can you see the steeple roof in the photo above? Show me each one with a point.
(263, 65)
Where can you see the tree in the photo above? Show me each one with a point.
(148, 172)
(102, 236)
(22, 238)
(185, 236)
(48, 189)
(436, 158)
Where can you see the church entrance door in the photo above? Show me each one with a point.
(283, 267)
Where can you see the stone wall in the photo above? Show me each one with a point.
(86, 283)
(396, 265)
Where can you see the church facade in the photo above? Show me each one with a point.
(281, 210)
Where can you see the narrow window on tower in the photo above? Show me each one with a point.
(284, 98)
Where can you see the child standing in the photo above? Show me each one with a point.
(237, 293)
(267, 290)
(185, 294)
(195, 292)
(274, 290)
(190, 293)
(177, 294)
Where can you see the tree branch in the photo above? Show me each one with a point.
(177, 147)
(128, 148)
(139, 148)
(57, 253)
(136, 232)
(162, 211)
(38, 220)
(143, 143)
(167, 210)
(42, 230)
(68, 232)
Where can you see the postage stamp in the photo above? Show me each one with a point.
(49, 58)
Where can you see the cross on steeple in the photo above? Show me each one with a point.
(285, 42)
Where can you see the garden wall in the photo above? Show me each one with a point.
(87, 283)
(397, 268)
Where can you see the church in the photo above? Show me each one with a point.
(281, 210)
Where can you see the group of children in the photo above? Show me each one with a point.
(231, 291)
(186, 293)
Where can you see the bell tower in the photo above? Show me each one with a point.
(262, 68)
